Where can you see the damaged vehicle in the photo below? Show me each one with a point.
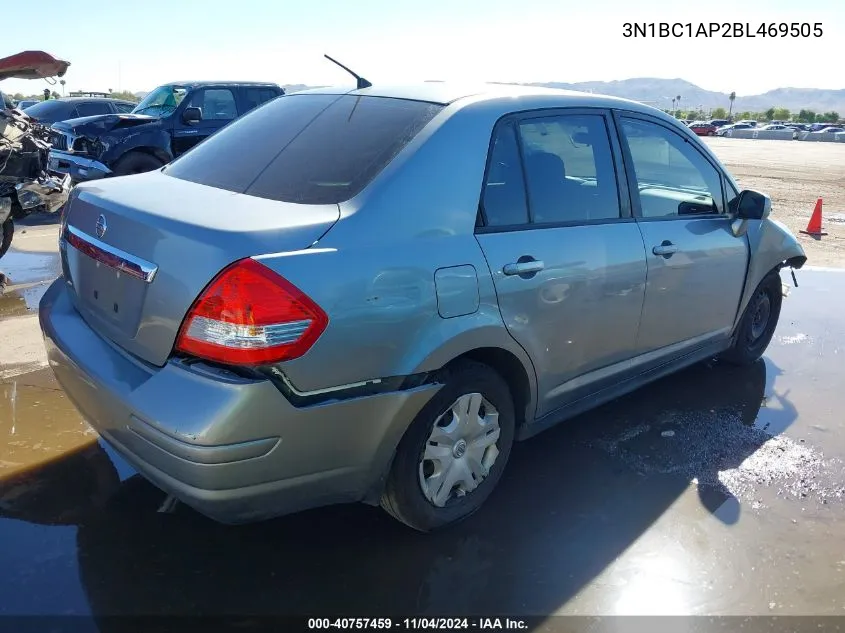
(169, 121)
(417, 277)
(26, 184)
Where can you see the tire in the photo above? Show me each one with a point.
(136, 163)
(466, 382)
(7, 233)
(711, 134)
(758, 323)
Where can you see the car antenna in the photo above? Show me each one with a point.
(362, 83)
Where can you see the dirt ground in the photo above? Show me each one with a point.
(795, 175)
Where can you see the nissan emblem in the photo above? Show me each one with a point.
(101, 226)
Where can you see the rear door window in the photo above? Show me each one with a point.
(503, 201)
(310, 149)
(569, 169)
(93, 108)
(254, 97)
(217, 104)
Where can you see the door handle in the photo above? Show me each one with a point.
(523, 268)
(666, 249)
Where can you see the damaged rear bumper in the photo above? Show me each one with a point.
(79, 168)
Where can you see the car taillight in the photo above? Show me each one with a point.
(249, 315)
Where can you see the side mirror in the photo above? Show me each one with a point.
(748, 205)
(753, 205)
(192, 115)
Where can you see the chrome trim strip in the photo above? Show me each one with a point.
(115, 257)
(318, 392)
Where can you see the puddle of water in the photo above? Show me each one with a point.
(716, 449)
(38, 423)
(26, 268)
(21, 300)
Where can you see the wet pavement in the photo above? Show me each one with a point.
(719, 490)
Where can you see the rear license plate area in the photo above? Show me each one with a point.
(106, 292)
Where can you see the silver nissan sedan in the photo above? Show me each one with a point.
(369, 295)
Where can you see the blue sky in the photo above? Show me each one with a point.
(140, 44)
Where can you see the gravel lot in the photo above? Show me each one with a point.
(795, 175)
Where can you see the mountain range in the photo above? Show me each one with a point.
(660, 92)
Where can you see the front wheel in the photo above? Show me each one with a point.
(454, 452)
(758, 322)
(136, 163)
(8, 231)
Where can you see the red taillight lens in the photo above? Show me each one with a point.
(249, 315)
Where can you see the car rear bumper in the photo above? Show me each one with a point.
(234, 449)
(80, 168)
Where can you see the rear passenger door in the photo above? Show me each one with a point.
(566, 257)
(218, 107)
(696, 266)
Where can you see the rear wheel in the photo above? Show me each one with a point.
(8, 231)
(455, 451)
(758, 322)
(136, 163)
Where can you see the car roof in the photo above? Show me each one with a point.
(78, 99)
(521, 96)
(197, 84)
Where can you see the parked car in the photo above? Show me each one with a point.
(823, 133)
(817, 127)
(167, 122)
(775, 126)
(313, 307)
(748, 122)
(727, 130)
(23, 104)
(720, 122)
(701, 128)
(54, 110)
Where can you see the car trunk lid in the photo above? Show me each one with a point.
(138, 250)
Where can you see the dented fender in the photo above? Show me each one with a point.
(773, 247)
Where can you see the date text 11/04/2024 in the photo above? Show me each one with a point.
(418, 623)
(722, 29)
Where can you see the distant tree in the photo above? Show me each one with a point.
(807, 116)
(18, 96)
(833, 117)
(744, 115)
(732, 97)
(770, 114)
(719, 113)
(125, 95)
(782, 114)
(54, 95)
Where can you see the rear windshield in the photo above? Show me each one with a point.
(310, 149)
(47, 108)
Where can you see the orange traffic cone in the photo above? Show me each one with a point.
(814, 226)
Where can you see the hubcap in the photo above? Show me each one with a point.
(760, 316)
(461, 449)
